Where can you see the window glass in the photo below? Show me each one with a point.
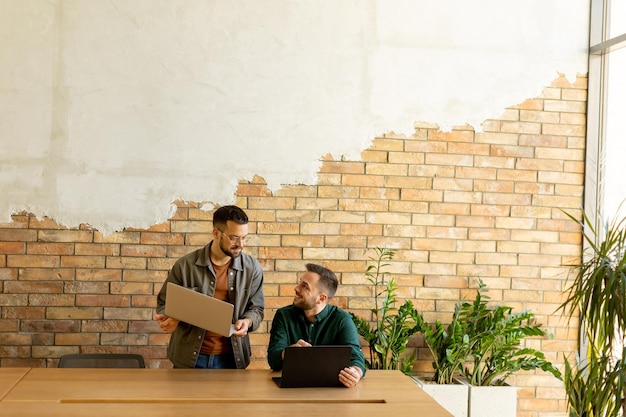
(615, 139)
(617, 19)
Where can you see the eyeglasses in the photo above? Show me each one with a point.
(236, 239)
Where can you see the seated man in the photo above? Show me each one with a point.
(310, 320)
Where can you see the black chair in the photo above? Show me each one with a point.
(102, 360)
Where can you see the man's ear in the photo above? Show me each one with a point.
(323, 297)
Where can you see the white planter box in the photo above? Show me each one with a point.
(452, 397)
(489, 401)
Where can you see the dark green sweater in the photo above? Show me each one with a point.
(333, 326)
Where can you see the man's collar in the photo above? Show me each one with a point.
(319, 316)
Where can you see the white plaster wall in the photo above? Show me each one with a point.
(111, 110)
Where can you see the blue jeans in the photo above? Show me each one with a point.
(226, 361)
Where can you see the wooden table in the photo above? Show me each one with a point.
(9, 377)
(71, 392)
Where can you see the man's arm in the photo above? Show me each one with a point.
(350, 336)
(171, 277)
(167, 324)
(279, 340)
(255, 305)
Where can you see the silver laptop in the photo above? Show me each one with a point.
(199, 309)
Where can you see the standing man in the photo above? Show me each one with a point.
(221, 270)
(310, 321)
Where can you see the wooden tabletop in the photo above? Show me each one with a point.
(188, 392)
(9, 377)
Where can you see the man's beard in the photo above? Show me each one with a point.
(304, 304)
(227, 251)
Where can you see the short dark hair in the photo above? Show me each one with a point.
(328, 280)
(226, 213)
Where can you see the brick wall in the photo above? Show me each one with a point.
(456, 206)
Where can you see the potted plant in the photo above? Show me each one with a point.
(482, 347)
(392, 328)
(596, 383)
(496, 353)
(449, 346)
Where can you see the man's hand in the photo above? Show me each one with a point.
(302, 343)
(350, 376)
(242, 326)
(166, 323)
(299, 343)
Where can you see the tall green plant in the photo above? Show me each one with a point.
(450, 346)
(392, 328)
(593, 386)
(598, 293)
(496, 336)
(598, 290)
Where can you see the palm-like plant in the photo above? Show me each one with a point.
(599, 287)
(598, 294)
(587, 393)
(392, 328)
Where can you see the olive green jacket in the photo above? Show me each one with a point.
(245, 292)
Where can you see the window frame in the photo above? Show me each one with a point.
(600, 48)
